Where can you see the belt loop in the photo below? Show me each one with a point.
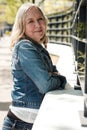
(13, 127)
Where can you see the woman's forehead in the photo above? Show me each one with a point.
(33, 11)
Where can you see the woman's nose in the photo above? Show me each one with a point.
(37, 24)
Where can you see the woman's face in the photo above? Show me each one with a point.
(35, 24)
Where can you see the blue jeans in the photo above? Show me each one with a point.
(11, 124)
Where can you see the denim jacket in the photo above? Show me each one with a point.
(31, 70)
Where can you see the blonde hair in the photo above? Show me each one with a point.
(18, 27)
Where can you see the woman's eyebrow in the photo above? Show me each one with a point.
(28, 19)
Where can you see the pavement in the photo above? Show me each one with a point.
(5, 77)
(62, 56)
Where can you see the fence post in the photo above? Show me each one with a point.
(85, 100)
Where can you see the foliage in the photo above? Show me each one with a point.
(57, 6)
(81, 62)
(10, 9)
(80, 29)
(2, 10)
(12, 6)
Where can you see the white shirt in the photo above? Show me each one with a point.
(26, 114)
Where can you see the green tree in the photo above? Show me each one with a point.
(10, 9)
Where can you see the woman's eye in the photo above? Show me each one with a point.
(40, 19)
(30, 21)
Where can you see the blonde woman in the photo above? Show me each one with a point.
(33, 72)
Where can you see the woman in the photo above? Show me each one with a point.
(33, 72)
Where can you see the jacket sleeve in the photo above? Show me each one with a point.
(34, 67)
(54, 69)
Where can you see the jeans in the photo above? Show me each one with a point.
(11, 124)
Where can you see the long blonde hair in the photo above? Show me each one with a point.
(19, 24)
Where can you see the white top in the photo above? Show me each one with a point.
(26, 114)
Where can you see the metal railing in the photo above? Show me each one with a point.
(74, 41)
